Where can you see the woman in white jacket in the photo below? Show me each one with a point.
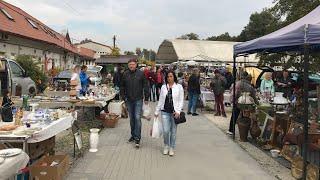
(170, 104)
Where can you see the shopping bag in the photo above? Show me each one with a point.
(157, 128)
(146, 112)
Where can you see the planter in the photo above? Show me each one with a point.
(94, 139)
(244, 126)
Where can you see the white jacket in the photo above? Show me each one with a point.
(177, 98)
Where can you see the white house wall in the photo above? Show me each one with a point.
(39, 50)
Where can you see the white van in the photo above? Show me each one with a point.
(13, 77)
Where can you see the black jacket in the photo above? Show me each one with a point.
(134, 86)
(117, 79)
(194, 84)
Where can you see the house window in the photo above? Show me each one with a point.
(33, 24)
(6, 14)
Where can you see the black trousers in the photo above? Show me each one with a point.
(236, 113)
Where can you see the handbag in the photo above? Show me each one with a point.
(181, 119)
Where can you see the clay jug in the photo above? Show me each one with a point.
(255, 130)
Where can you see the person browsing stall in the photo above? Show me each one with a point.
(84, 80)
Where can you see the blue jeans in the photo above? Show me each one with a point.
(169, 129)
(135, 111)
(153, 93)
(193, 98)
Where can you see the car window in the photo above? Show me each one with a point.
(16, 70)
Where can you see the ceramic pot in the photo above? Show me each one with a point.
(244, 126)
(255, 130)
(94, 139)
(279, 99)
(245, 98)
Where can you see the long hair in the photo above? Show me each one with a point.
(174, 77)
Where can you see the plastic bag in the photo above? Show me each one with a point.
(146, 112)
(157, 128)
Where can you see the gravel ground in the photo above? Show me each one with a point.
(268, 163)
(64, 140)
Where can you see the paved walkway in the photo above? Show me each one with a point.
(203, 152)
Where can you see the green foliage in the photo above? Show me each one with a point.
(128, 53)
(259, 25)
(32, 68)
(223, 37)
(293, 10)
(115, 51)
(190, 36)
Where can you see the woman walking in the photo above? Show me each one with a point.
(170, 104)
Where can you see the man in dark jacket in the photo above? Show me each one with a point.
(193, 92)
(218, 86)
(134, 87)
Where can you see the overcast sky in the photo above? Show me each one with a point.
(142, 23)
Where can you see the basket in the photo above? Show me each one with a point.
(110, 120)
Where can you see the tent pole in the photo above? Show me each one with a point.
(234, 98)
(305, 109)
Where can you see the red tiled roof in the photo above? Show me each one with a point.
(21, 27)
(86, 52)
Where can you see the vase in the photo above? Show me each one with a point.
(94, 139)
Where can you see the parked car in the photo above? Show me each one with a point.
(95, 74)
(64, 77)
(14, 78)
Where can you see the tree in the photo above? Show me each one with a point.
(138, 52)
(259, 25)
(32, 69)
(223, 37)
(128, 53)
(115, 51)
(190, 36)
(293, 10)
(146, 54)
(85, 41)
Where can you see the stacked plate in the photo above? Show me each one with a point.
(5, 153)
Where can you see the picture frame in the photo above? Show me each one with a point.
(267, 130)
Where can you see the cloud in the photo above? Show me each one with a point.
(143, 23)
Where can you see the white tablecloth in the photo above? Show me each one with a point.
(206, 96)
(12, 165)
(209, 96)
(46, 132)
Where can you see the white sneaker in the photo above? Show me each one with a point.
(166, 150)
(171, 152)
(229, 133)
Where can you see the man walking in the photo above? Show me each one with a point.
(134, 87)
(218, 86)
(193, 92)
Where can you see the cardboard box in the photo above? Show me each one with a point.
(41, 170)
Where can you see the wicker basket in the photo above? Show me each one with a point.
(110, 120)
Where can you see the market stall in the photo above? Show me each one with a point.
(35, 127)
(294, 124)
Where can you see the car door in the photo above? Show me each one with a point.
(5, 76)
